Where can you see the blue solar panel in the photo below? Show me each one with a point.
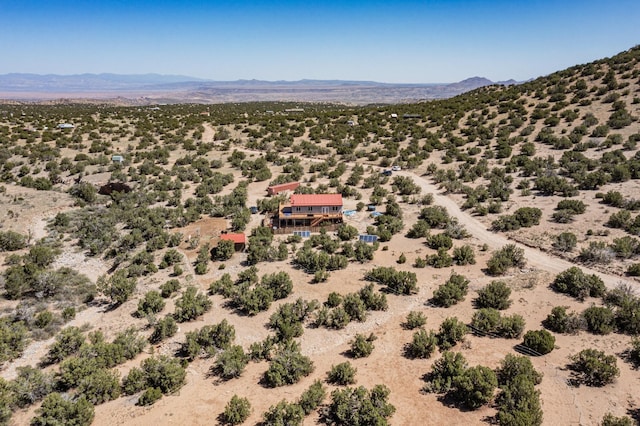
(368, 238)
(303, 234)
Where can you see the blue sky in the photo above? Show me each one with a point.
(397, 42)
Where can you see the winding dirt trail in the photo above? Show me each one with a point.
(535, 258)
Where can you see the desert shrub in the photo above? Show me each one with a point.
(565, 242)
(231, 362)
(170, 287)
(435, 216)
(519, 403)
(31, 385)
(611, 420)
(452, 291)
(224, 250)
(524, 217)
(13, 339)
(560, 321)
(507, 257)
(161, 372)
(347, 232)
(487, 320)
(464, 255)
(191, 305)
(342, 374)
(151, 304)
(279, 283)
(513, 366)
(450, 333)
(511, 327)
(67, 342)
(400, 282)
(438, 241)
(475, 386)
(420, 229)
(444, 371)
(288, 366)
(12, 241)
(236, 411)
(619, 219)
(577, 284)
(442, 259)
(594, 368)
(56, 410)
(100, 386)
(599, 320)
(423, 345)
(284, 413)
(359, 406)
(574, 206)
(312, 397)
(334, 299)
(540, 341)
(362, 346)
(118, 287)
(373, 301)
(163, 329)
(494, 295)
(414, 320)
(149, 397)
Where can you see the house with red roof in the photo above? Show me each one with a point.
(310, 210)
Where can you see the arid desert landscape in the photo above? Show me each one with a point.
(470, 260)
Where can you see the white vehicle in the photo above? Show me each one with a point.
(396, 168)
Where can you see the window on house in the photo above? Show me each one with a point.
(310, 209)
(297, 209)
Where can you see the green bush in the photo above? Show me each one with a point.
(423, 344)
(513, 366)
(565, 242)
(118, 287)
(540, 341)
(151, 304)
(191, 305)
(359, 406)
(13, 339)
(236, 411)
(163, 329)
(31, 385)
(599, 319)
(594, 368)
(400, 282)
(519, 403)
(444, 371)
(414, 320)
(611, 420)
(149, 397)
(284, 413)
(577, 284)
(12, 241)
(67, 342)
(507, 257)
(494, 295)
(342, 374)
(168, 288)
(560, 321)
(452, 291)
(312, 397)
(362, 346)
(100, 386)
(231, 362)
(475, 386)
(464, 255)
(56, 410)
(224, 250)
(288, 366)
(450, 333)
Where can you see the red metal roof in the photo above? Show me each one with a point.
(236, 238)
(321, 200)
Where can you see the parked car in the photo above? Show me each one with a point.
(396, 168)
(386, 172)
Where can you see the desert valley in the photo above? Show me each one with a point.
(469, 260)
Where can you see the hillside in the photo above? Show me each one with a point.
(120, 304)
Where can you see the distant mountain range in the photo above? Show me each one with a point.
(151, 88)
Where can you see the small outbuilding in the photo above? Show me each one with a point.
(119, 159)
(65, 126)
